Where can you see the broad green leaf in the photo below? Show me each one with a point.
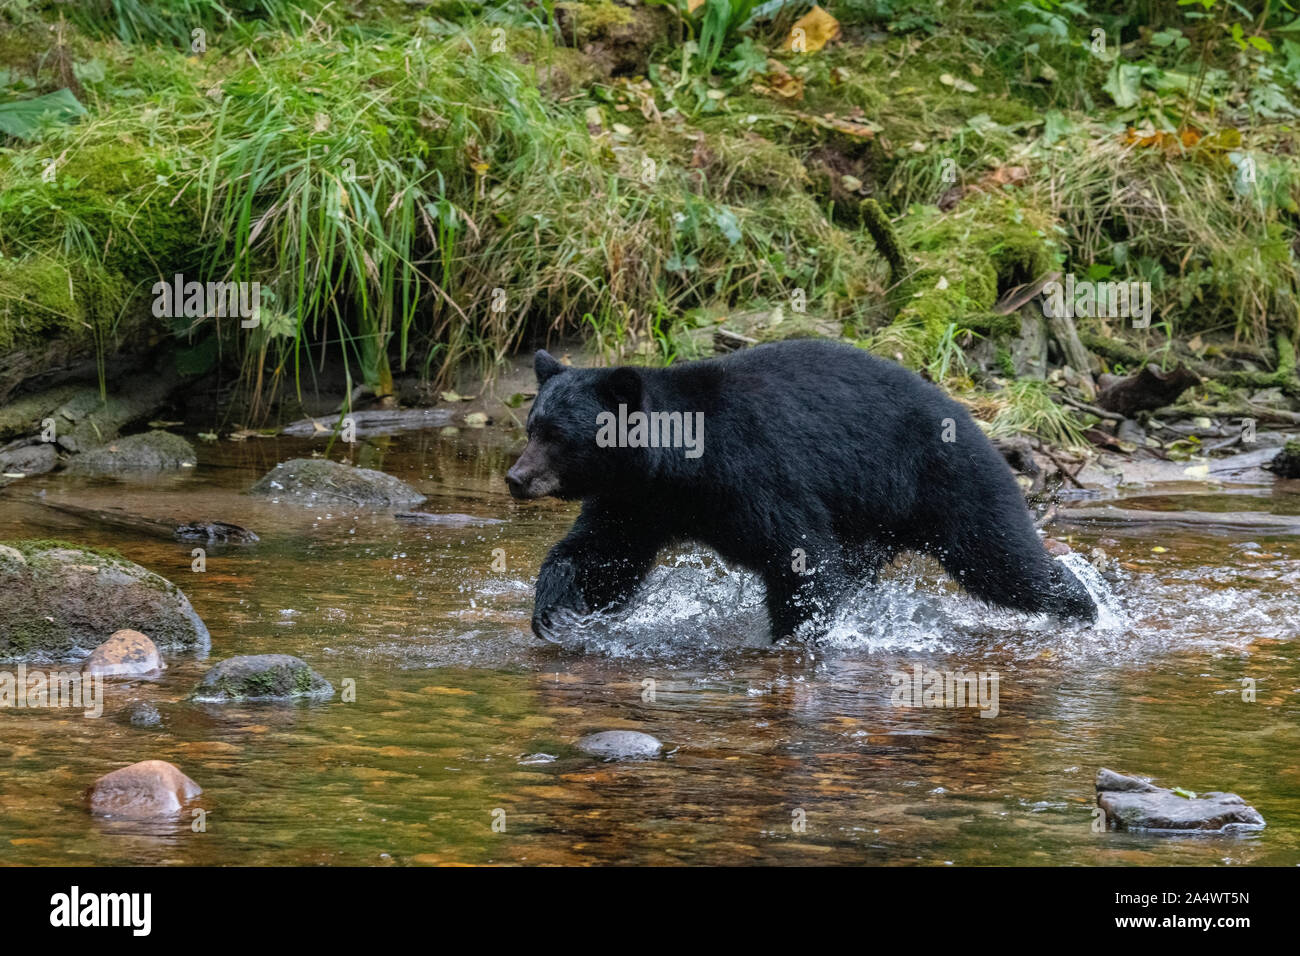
(22, 118)
(1122, 84)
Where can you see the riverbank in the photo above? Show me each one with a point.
(582, 173)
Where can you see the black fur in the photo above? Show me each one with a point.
(807, 445)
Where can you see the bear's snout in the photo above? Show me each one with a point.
(517, 483)
(531, 477)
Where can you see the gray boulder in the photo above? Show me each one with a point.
(144, 453)
(1132, 803)
(144, 714)
(28, 457)
(319, 481)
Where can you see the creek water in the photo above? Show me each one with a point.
(460, 744)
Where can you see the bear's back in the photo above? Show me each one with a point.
(833, 379)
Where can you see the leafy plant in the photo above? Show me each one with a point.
(717, 23)
(23, 118)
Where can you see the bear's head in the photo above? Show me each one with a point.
(563, 458)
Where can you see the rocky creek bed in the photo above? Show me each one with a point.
(443, 709)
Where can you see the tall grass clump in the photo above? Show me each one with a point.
(1216, 245)
(175, 21)
(420, 196)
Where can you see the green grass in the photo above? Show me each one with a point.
(421, 188)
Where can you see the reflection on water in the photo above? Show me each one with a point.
(453, 693)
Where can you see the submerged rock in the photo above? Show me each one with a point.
(127, 653)
(146, 452)
(257, 677)
(145, 714)
(452, 520)
(1132, 803)
(57, 599)
(1286, 464)
(620, 745)
(216, 532)
(533, 760)
(312, 480)
(142, 791)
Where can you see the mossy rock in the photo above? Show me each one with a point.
(23, 415)
(49, 310)
(83, 420)
(261, 677)
(37, 301)
(958, 264)
(58, 601)
(319, 481)
(147, 452)
(1286, 464)
(615, 38)
(111, 187)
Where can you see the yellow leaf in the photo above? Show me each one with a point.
(811, 32)
(779, 81)
(693, 5)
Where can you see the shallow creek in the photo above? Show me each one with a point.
(792, 754)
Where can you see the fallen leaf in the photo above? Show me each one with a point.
(963, 86)
(854, 128)
(811, 32)
(780, 82)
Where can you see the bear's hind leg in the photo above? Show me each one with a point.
(1008, 566)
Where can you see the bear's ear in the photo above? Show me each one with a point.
(622, 386)
(545, 366)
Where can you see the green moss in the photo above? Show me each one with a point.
(882, 232)
(38, 302)
(959, 264)
(32, 547)
(592, 20)
(33, 631)
(114, 188)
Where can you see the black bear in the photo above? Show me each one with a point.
(810, 463)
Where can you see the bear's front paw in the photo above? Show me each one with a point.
(550, 623)
(558, 583)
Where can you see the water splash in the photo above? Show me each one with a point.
(698, 604)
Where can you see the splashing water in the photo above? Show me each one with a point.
(697, 603)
